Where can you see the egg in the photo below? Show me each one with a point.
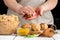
(23, 31)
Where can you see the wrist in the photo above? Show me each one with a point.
(18, 7)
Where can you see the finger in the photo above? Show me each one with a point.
(24, 17)
(38, 11)
(25, 12)
(41, 13)
(21, 13)
(30, 9)
(32, 18)
(27, 9)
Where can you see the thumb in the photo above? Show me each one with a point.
(41, 12)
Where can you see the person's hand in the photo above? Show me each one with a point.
(19, 10)
(35, 15)
(25, 10)
(39, 11)
(29, 13)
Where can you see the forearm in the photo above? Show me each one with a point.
(49, 5)
(12, 4)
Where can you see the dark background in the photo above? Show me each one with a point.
(55, 12)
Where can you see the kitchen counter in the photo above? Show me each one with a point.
(13, 37)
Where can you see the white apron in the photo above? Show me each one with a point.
(45, 18)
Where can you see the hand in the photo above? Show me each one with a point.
(25, 10)
(38, 12)
(29, 13)
(35, 15)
